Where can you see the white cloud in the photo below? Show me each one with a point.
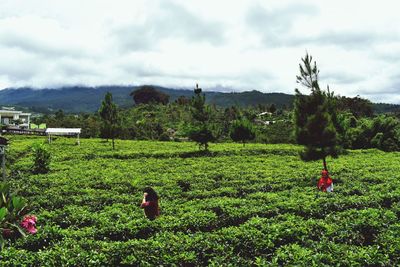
(243, 45)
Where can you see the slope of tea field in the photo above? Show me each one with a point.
(236, 206)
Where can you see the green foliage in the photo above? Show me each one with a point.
(147, 94)
(201, 135)
(200, 112)
(272, 108)
(200, 131)
(59, 115)
(315, 116)
(149, 122)
(42, 158)
(358, 106)
(89, 123)
(382, 132)
(249, 206)
(182, 101)
(280, 132)
(109, 115)
(12, 208)
(386, 133)
(184, 185)
(164, 137)
(242, 131)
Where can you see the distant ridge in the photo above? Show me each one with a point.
(87, 99)
(77, 99)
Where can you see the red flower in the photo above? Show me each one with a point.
(29, 224)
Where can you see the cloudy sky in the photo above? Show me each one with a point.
(225, 45)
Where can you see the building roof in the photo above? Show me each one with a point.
(10, 111)
(6, 111)
(63, 131)
(264, 113)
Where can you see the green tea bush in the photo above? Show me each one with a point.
(251, 206)
(42, 158)
(184, 185)
(164, 137)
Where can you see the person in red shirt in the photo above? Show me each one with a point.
(325, 183)
(150, 203)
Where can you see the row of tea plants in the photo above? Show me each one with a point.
(239, 206)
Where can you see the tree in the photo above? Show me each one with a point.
(59, 115)
(242, 131)
(381, 132)
(358, 106)
(200, 131)
(147, 94)
(109, 115)
(182, 101)
(272, 108)
(315, 116)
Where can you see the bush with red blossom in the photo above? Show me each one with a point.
(29, 224)
(13, 221)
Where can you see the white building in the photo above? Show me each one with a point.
(9, 116)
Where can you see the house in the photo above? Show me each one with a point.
(261, 122)
(11, 117)
(264, 113)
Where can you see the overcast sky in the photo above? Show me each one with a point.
(228, 45)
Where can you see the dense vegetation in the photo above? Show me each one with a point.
(254, 205)
(174, 121)
(354, 126)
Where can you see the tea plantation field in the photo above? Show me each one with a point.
(251, 206)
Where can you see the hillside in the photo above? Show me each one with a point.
(87, 99)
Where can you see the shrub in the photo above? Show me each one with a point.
(184, 185)
(201, 136)
(42, 159)
(13, 223)
(164, 137)
(242, 131)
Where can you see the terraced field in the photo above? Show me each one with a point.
(255, 205)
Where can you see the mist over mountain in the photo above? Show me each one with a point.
(77, 99)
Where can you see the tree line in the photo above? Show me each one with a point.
(183, 119)
(330, 121)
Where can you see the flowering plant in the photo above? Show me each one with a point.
(13, 223)
(29, 224)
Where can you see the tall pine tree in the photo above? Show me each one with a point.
(315, 116)
(109, 115)
(200, 132)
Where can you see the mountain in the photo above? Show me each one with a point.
(78, 99)
(70, 99)
(87, 99)
(251, 98)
